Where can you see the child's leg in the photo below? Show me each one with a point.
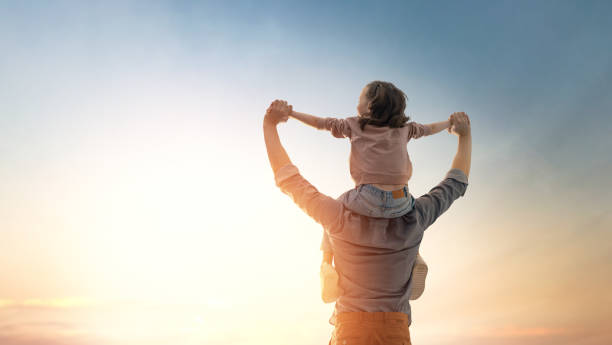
(325, 244)
(330, 283)
(330, 289)
(419, 273)
(328, 254)
(328, 257)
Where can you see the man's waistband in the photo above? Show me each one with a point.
(370, 316)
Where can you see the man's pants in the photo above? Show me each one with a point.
(379, 328)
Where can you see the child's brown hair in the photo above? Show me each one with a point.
(386, 106)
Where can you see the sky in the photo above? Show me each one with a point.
(137, 205)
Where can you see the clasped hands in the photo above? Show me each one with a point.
(277, 112)
(459, 124)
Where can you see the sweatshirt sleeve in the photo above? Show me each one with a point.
(339, 128)
(431, 205)
(417, 130)
(320, 207)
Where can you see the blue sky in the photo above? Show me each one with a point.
(126, 125)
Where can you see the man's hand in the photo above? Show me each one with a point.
(278, 111)
(460, 124)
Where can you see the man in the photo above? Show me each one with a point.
(374, 256)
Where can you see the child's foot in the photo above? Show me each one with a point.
(419, 273)
(330, 290)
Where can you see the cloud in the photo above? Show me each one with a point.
(48, 303)
(513, 331)
(45, 332)
(528, 335)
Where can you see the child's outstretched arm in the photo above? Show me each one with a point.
(436, 127)
(339, 128)
(417, 130)
(311, 120)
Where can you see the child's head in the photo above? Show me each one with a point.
(382, 104)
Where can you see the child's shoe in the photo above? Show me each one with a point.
(330, 290)
(419, 273)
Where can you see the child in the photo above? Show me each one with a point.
(379, 165)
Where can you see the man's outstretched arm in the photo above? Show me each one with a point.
(463, 157)
(454, 185)
(320, 207)
(276, 152)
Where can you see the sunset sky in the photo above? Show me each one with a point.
(137, 205)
